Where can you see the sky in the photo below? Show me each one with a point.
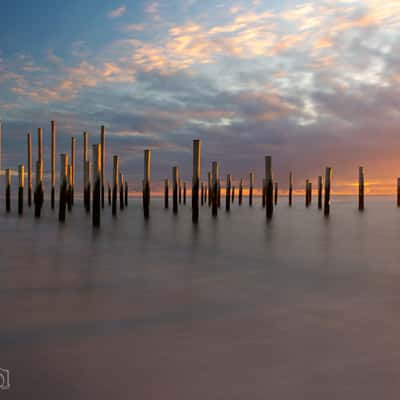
(313, 84)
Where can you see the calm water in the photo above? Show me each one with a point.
(303, 308)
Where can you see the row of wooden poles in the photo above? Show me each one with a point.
(94, 188)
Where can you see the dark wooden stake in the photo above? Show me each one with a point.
(115, 184)
(166, 194)
(276, 193)
(96, 175)
(8, 190)
(327, 203)
(102, 161)
(146, 184)
(264, 193)
(251, 189)
(361, 188)
(240, 192)
(21, 176)
(290, 188)
(38, 196)
(228, 192)
(63, 187)
(121, 191)
(53, 164)
(175, 183)
(214, 196)
(29, 143)
(320, 192)
(269, 187)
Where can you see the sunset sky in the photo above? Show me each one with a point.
(310, 83)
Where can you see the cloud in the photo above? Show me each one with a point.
(118, 12)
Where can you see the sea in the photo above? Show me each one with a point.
(235, 307)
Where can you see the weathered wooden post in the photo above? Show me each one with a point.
(126, 193)
(214, 196)
(121, 191)
(290, 188)
(96, 176)
(320, 192)
(398, 192)
(196, 179)
(88, 169)
(69, 200)
(209, 189)
(63, 187)
(53, 164)
(240, 191)
(361, 188)
(109, 194)
(38, 196)
(102, 161)
(72, 183)
(184, 193)
(86, 195)
(276, 193)
(202, 193)
(309, 193)
(166, 194)
(264, 193)
(228, 192)
(251, 189)
(146, 184)
(219, 192)
(306, 193)
(21, 175)
(8, 190)
(180, 192)
(269, 187)
(328, 177)
(233, 194)
(175, 183)
(115, 184)
(29, 142)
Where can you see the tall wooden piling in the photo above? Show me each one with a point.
(290, 188)
(53, 163)
(115, 184)
(269, 187)
(63, 187)
(38, 196)
(72, 183)
(29, 148)
(184, 193)
(398, 192)
(202, 193)
(214, 196)
(180, 192)
(320, 192)
(126, 193)
(307, 193)
(109, 194)
(219, 192)
(146, 184)
(102, 161)
(166, 194)
(88, 169)
(209, 188)
(69, 197)
(175, 183)
(361, 188)
(251, 188)
(21, 178)
(240, 191)
(276, 193)
(96, 176)
(233, 194)
(86, 190)
(228, 192)
(121, 191)
(8, 190)
(327, 202)
(196, 179)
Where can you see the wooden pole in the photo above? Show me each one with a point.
(209, 188)
(126, 193)
(240, 192)
(38, 196)
(63, 187)
(72, 183)
(219, 192)
(320, 192)
(328, 177)
(166, 194)
(214, 196)
(29, 143)
(21, 176)
(398, 192)
(121, 191)
(269, 187)
(202, 193)
(115, 184)
(290, 188)
(264, 193)
(228, 192)
(307, 194)
(109, 194)
(184, 193)
(69, 201)
(102, 161)
(233, 194)
(196, 179)
(53, 164)
(88, 168)
(175, 183)
(276, 193)
(86, 191)
(146, 184)
(96, 176)
(8, 190)
(361, 188)
(251, 189)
